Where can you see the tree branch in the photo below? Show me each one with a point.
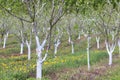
(14, 14)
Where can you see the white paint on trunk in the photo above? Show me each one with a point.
(5, 39)
(55, 50)
(119, 46)
(72, 44)
(110, 59)
(39, 55)
(29, 49)
(37, 41)
(56, 47)
(39, 63)
(110, 49)
(119, 51)
(39, 69)
(4, 44)
(98, 42)
(21, 48)
(43, 44)
(88, 52)
(79, 35)
(85, 35)
(69, 40)
(22, 42)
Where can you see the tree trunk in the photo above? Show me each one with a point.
(98, 42)
(119, 51)
(5, 39)
(39, 53)
(29, 49)
(72, 44)
(110, 49)
(39, 69)
(55, 50)
(88, 52)
(110, 59)
(85, 35)
(21, 50)
(39, 64)
(79, 35)
(69, 40)
(57, 43)
(4, 44)
(119, 46)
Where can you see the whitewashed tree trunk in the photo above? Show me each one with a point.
(119, 51)
(72, 44)
(110, 49)
(21, 48)
(69, 40)
(85, 35)
(29, 49)
(98, 42)
(79, 35)
(22, 42)
(5, 39)
(29, 52)
(119, 46)
(56, 47)
(88, 52)
(39, 59)
(55, 50)
(39, 63)
(4, 44)
(110, 59)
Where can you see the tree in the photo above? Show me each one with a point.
(109, 28)
(4, 29)
(58, 35)
(88, 23)
(70, 29)
(33, 7)
(27, 34)
(18, 30)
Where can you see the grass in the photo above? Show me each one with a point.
(112, 73)
(19, 68)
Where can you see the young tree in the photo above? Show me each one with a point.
(4, 29)
(33, 9)
(87, 31)
(18, 33)
(27, 34)
(58, 35)
(108, 27)
(70, 29)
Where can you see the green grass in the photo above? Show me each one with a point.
(16, 66)
(19, 68)
(112, 73)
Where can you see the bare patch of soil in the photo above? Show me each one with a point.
(57, 75)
